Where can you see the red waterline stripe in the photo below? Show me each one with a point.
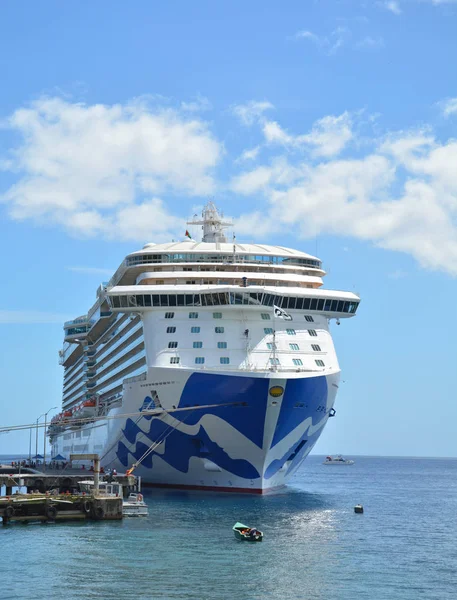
(211, 488)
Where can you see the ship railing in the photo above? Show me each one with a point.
(141, 377)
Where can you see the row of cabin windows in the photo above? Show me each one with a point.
(267, 331)
(225, 360)
(200, 360)
(297, 362)
(234, 298)
(220, 345)
(193, 315)
(197, 330)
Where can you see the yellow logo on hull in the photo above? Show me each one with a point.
(276, 391)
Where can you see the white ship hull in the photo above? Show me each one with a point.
(237, 432)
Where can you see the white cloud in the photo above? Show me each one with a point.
(115, 173)
(81, 165)
(31, 317)
(449, 107)
(199, 104)
(327, 137)
(329, 44)
(252, 111)
(249, 154)
(307, 35)
(393, 6)
(402, 196)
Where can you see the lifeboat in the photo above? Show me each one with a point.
(88, 408)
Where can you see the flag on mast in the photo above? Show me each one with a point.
(187, 234)
(281, 314)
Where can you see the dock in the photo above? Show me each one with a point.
(56, 496)
(61, 507)
(57, 481)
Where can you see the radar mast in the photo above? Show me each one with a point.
(212, 224)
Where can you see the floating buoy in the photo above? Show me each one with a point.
(358, 508)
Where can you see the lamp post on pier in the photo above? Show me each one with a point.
(36, 436)
(44, 436)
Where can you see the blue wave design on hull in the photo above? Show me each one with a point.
(208, 389)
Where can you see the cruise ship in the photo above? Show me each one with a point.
(203, 364)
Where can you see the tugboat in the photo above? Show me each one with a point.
(337, 460)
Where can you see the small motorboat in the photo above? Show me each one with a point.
(135, 506)
(243, 533)
(337, 460)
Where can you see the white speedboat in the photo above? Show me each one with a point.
(337, 460)
(135, 506)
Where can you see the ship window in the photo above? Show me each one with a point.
(172, 344)
(222, 344)
(306, 303)
(313, 305)
(169, 315)
(174, 360)
(266, 316)
(180, 299)
(299, 305)
(327, 304)
(297, 362)
(197, 345)
(193, 315)
(219, 329)
(309, 318)
(195, 329)
(271, 346)
(312, 332)
(274, 361)
(155, 300)
(268, 330)
(291, 332)
(316, 347)
(334, 305)
(171, 329)
(320, 363)
(224, 360)
(294, 346)
(340, 306)
(217, 315)
(199, 360)
(163, 300)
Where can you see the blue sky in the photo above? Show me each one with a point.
(326, 126)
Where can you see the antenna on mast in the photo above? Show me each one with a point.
(212, 224)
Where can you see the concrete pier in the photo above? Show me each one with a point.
(62, 507)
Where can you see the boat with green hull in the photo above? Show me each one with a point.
(243, 533)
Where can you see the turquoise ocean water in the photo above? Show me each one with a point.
(403, 547)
